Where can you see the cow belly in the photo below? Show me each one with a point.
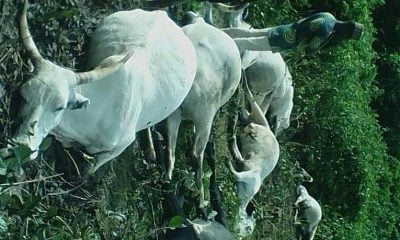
(266, 73)
(148, 88)
(163, 64)
(218, 71)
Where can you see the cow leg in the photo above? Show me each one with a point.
(215, 196)
(274, 122)
(150, 151)
(295, 215)
(202, 133)
(257, 114)
(266, 103)
(299, 232)
(146, 143)
(234, 150)
(173, 122)
(312, 234)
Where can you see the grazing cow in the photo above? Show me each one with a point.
(267, 74)
(308, 214)
(217, 77)
(198, 228)
(145, 66)
(258, 156)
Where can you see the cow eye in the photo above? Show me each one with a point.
(59, 109)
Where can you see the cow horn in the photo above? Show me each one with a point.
(26, 36)
(226, 8)
(105, 68)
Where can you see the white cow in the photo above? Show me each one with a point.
(267, 74)
(258, 156)
(308, 214)
(145, 68)
(217, 77)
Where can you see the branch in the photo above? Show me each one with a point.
(29, 181)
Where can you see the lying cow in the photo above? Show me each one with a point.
(267, 74)
(144, 68)
(217, 77)
(258, 156)
(199, 229)
(308, 214)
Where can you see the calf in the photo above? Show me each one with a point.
(308, 214)
(258, 156)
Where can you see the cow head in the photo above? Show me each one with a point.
(245, 223)
(236, 14)
(248, 183)
(301, 175)
(190, 18)
(50, 91)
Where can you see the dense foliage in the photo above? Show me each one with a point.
(342, 144)
(345, 131)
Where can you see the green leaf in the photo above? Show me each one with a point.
(15, 205)
(29, 205)
(3, 225)
(60, 236)
(41, 234)
(207, 174)
(5, 199)
(45, 144)
(11, 163)
(5, 153)
(176, 221)
(52, 212)
(3, 168)
(61, 14)
(22, 152)
(189, 183)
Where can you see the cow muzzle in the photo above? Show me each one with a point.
(246, 224)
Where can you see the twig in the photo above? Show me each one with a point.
(73, 161)
(154, 231)
(78, 197)
(29, 181)
(152, 213)
(5, 55)
(65, 224)
(52, 169)
(67, 191)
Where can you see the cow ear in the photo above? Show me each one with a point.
(78, 102)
